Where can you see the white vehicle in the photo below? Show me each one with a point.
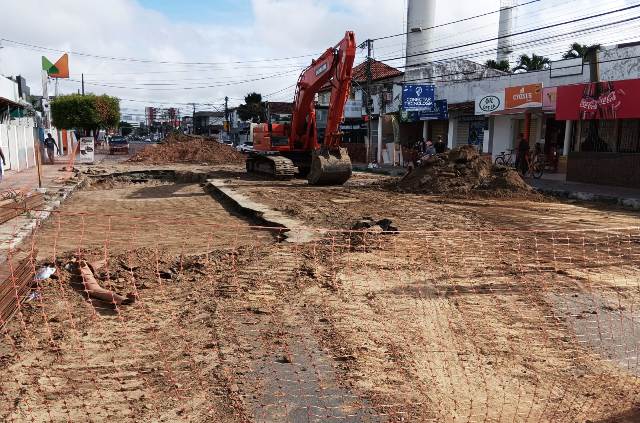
(247, 147)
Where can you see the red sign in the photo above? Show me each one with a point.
(604, 100)
(523, 96)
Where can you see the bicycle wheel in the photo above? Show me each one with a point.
(499, 161)
(538, 169)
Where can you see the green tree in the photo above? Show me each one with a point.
(253, 109)
(577, 50)
(534, 62)
(87, 112)
(502, 65)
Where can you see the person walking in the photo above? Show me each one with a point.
(4, 163)
(49, 145)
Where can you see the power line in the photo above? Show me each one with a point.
(529, 31)
(161, 62)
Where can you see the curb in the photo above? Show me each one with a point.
(293, 231)
(628, 203)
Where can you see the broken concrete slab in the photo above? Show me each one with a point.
(294, 231)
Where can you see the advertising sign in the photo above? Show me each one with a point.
(353, 109)
(87, 150)
(58, 70)
(440, 111)
(608, 100)
(523, 96)
(549, 99)
(490, 103)
(416, 98)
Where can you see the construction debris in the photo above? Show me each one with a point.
(189, 149)
(95, 291)
(462, 171)
(370, 225)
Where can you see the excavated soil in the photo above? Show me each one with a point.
(461, 172)
(479, 310)
(188, 149)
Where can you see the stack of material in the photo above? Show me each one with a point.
(16, 278)
(187, 149)
(17, 204)
(462, 171)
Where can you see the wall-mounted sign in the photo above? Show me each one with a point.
(440, 111)
(490, 103)
(549, 99)
(523, 96)
(417, 98)
(608, 100)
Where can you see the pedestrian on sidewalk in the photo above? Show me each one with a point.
(4, 163)
(49, 145)
(522, 155)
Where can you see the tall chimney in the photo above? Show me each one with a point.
(505, 48)
(421, 14)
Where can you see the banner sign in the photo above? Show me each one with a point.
(87, 150)
(523, 96)
(440, 111)
(417, 98)
(58, 70)
(604, 100)
(490, 103)
(549, 99)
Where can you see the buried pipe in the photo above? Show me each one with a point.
(95, 291)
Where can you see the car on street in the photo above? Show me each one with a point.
(247, 147)
(119, 145)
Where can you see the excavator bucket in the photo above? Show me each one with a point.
(330, 168)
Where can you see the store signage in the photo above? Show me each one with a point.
(549, 99)
(490, 103)
(417, 98)
(440, 111)
(604, 100)
(353, 109)
(523, 96)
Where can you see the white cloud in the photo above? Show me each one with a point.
(279, 28)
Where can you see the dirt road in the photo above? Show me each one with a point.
(501, 310)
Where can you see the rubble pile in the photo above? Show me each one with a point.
(187, 149)
(462, 171)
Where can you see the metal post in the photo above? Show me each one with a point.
(367, 97)
(83, 84)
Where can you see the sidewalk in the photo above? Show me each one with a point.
(557, 185)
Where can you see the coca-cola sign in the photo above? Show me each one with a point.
(605, 100)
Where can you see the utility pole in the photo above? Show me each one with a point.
(226, 115)
(83, 84)
(367, 96)
(193, 119)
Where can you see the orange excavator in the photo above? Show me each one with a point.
(282, 150)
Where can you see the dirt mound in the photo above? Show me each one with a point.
(462, 171)
(187, 149)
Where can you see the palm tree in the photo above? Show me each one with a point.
(502, 65)
(577, 50)
(532, 63)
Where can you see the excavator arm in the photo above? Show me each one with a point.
(330, 164)
(334, 66)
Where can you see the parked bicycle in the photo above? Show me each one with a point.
(506, 158)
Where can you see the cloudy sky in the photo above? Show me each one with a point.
(169, 52)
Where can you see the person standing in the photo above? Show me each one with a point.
(523, 153)
(440, 145)
(49, 145)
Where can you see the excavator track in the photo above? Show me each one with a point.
(273, 166)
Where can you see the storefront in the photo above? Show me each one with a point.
(605, 147)
(514, 112)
